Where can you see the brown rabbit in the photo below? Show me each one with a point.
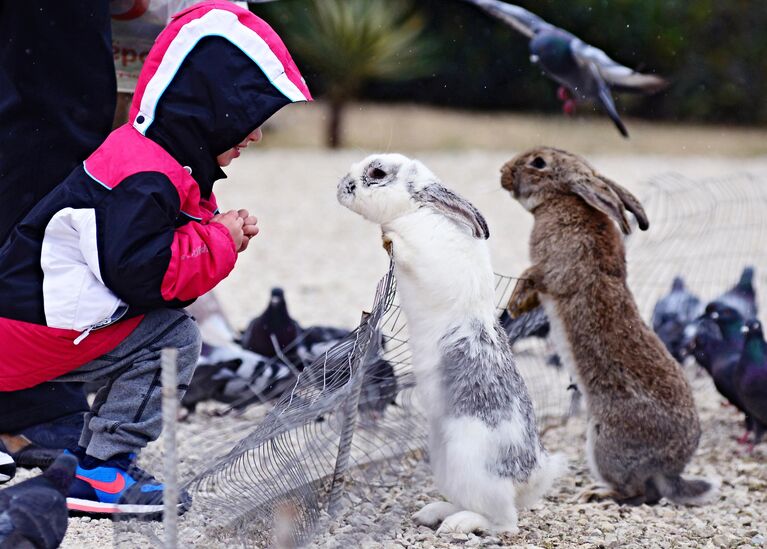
(643, 426)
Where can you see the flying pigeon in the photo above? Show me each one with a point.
(742, 296)
(751, 378)
(274, 330)
(672, 314)
(583, 71)
(7, 467)
(34, 512)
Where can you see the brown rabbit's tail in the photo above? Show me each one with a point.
(690, 491)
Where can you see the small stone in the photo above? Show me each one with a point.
(721, 540)
(758, 540)
(702, 529)
(459, 537)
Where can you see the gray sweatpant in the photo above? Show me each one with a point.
(127, 412)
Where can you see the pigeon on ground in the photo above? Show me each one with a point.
(583, 71)
(672, 314)
(34, 512)
(7, 467)
(751, 378)
(274, 330)
(274, 350)
(742, 296)
(236, 376)
(533, 323)
(717, 345)
(379, 384)
(379, 381)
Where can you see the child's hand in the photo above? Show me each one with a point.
(234, 223)
(249, 228)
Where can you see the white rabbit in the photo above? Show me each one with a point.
(485, 453)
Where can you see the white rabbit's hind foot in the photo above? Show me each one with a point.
(434, 513)
(464, 522)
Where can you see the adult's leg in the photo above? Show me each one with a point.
(57, 96)
(57, 101)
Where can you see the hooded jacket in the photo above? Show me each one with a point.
(128, 231)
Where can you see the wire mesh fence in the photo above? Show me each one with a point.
(350, 421)
(351, 426)
(706, 231)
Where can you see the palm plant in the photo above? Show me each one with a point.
(351, 42)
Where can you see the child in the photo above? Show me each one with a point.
(93, 280)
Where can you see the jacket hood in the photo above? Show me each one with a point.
(214, 74)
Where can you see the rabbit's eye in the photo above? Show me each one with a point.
(376, 173)
(538, 163)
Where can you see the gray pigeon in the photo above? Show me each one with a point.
(34, 512)
(585, 73)
(672, 315)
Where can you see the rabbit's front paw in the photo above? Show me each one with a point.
(524, 298)
(464, 522)
(387, 244)
(434, 512)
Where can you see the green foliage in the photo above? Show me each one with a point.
(714, 52)
(350, 42)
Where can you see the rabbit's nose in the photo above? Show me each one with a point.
(349, 185)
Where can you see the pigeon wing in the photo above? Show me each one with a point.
(606, 99)
(616, 75)
(517, 17)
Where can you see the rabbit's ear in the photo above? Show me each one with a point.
(453, 206)
(600, 196)
(629, 201)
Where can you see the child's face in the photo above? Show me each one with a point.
(226, 157)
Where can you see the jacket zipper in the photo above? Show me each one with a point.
(103, 324)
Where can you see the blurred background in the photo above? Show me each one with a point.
(448, 54)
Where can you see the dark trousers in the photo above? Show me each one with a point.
(57, 101)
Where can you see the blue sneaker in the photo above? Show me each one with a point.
(117, 486)
(7, 467)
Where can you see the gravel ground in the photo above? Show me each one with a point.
(329, 261)
(379, 516)
(736, 520)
